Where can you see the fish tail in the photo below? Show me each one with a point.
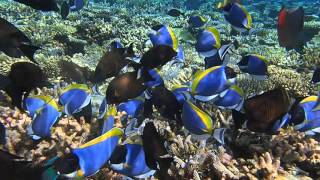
(29, 50)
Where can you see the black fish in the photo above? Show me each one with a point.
(2, 134)
(316, 76)
(174, 12)
(72, 72)
(157, 56)
(156, 155)
(43, 5)
(124, 87)
(263, 110)
(15, 43)
(24, 77)
(16, 168)
(111, 63)
(66, 164)
(65, 9)
(165, 102)
(290, 27)
(119, 155)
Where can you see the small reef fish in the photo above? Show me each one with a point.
(255, 65)
(156, 155)
(197, 21)
(290, 27)
(64, 10)
(124, 87)
(208, 42)
(264, 110)
(157, 56)
(238, 17)
(164, 35)
(21, 80)
(305, 118)
(195, 120)
(112, 62)
(231, 98)
(44, 112)
(74, 98)
(174, 12)
(165, 103)
(71, 72)
(133, 108)
(132, 161)
(15, 43)
(208, 84)
(43, 5)
(89, 157)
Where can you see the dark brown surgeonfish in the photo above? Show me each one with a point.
(71, 72)
(16, 168)
(156, 155)
(15, 43)
(262, 111)
(165, 102)
(111, 63)
(23, 78)
(65, 9)
(290, 27)
(124, 87)
(43, 5)
(157, 56)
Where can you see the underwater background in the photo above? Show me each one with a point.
(85, 35)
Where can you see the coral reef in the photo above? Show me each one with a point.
(84, 37)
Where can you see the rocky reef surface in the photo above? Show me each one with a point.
(84, 37)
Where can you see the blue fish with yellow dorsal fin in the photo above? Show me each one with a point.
(206, 85)
(255, 65)
(208, 42)
(108, 119)
(75, 97)
(311, 123)
(157, 79)
(166, 36)
(133, 163)
(95, 153)
(133, 107)
(195, 120)
(181, 92)
(231, 98)
(45, 112)
(197, 21)
(238, 17)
